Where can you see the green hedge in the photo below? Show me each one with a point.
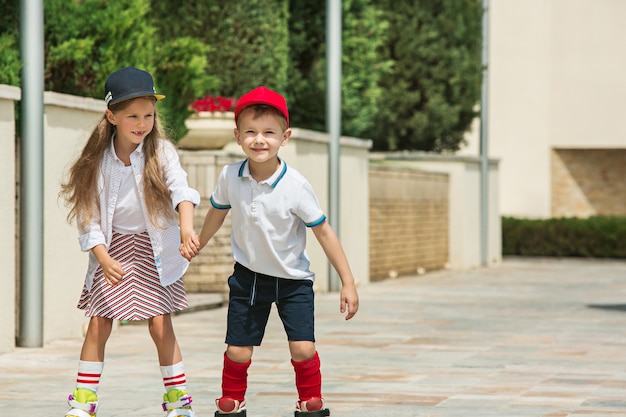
(593, 237)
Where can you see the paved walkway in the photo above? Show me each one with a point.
(532, 337)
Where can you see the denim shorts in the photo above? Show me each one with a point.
(250, 301)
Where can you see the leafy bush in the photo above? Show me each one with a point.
(87, 40)
(248, 40)
(410, 69)
(10, 63)
(363, 34)
(596, 237)
(430, 97)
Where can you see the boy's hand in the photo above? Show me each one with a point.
(190, 245)
(349, 301)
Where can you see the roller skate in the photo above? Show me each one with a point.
(177, 403)
(83, 403)
(313, 407)
(231, 407)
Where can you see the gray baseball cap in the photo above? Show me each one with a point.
(128, 83)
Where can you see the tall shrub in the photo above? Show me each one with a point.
(430, 96)
(10, 65)
(248, 40)
(363, 33)
(87, 40)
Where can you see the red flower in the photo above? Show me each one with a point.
(213, 104)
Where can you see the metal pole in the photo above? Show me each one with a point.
(484, 149)
(333, 99)
(31, 179)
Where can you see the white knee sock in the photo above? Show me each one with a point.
(89, 375)
(174, 376)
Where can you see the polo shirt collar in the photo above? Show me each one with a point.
(244, 171)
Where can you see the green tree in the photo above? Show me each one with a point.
(87, 40)
(181, 68)
(248, 40)
(430, 97)
(363, 33)
(10, 64)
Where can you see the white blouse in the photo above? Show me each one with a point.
(127, 217)
(165, 240)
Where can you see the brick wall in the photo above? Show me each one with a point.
(408, 222)
(587, 182)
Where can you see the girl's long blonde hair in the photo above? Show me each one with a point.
(80, 192)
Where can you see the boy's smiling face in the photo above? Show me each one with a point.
(261, 136)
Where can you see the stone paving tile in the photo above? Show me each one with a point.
(531, 337)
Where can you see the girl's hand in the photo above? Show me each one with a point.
(113, 272)
(190, 245)
(112, 269)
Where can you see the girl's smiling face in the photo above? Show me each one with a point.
(133, 121)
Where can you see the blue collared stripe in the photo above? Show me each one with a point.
(218, 206)
(282, 174)
(317, 222)
(243, 164)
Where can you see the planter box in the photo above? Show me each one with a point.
(208, 130)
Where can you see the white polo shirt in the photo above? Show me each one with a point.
(269, 219)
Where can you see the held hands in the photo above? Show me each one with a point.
(190, 244)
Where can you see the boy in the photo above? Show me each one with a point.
(272, 205)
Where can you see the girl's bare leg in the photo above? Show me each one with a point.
(162, 333)
(97, 335)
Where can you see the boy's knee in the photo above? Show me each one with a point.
(301, 350)
(239, 354)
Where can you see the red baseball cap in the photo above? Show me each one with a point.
(262, 95)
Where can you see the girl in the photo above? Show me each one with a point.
(124, 191)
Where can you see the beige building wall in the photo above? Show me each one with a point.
(555, 82)
(464, 204)
(68, 121)
(8, 96)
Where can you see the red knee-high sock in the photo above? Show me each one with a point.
(308, 378)
(235, 379)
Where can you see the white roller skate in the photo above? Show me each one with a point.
(177, 403)
(83, 403)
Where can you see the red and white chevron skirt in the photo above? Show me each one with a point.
(139, 295)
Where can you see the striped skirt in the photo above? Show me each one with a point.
(139, 295)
